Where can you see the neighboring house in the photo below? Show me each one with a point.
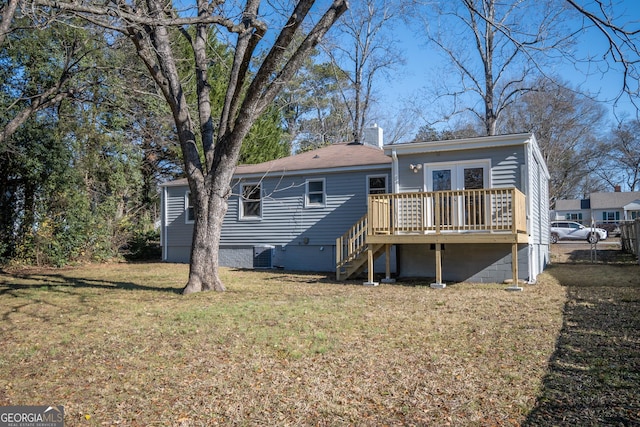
(461, 210)
(601, 208)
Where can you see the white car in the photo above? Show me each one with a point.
(569, 230)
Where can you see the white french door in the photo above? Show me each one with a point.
(456, 210)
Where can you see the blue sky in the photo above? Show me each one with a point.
(423, 62)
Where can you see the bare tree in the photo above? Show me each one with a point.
(622, 153)
(566, 125)
(621, 33)
(365, 48)
(492, 47)
(211, 147)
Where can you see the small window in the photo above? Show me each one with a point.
(251, 201)
(574, 216)
(377, 184)
(315, 193)
(189, 212)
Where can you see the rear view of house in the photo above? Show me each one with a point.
(286, 213)
(460, 210)
(463, 210)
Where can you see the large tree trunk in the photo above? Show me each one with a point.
(203, 272)
(210, 180)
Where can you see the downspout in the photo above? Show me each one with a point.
(163, 224)
(395, 180)
(526, 187)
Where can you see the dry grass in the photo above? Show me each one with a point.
(594, 374)
(117, 345)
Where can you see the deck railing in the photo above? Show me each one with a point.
(485, 210)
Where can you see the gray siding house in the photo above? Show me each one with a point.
(602, 208)
(286, 213)
(465, 210)
(462, 210)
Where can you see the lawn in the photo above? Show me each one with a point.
(117, 345)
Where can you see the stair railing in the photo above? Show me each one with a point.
(351, 244)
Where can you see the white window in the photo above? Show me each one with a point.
(376, 184)
(251, 201)
(315, 189)
(189, 212)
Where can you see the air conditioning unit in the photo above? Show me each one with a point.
(263, 256)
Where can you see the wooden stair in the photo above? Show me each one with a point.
(352, 251)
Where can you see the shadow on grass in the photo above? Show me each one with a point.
(52, 281)
(594, 373)
(606, 256)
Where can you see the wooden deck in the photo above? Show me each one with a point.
(464, 216)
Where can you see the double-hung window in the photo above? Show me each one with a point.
(251, 201)
(315, 193)
(377, 184)
(189, 212)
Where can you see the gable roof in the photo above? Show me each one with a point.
(613, 200)
(633, 206)
(569, 205)
(330, 157)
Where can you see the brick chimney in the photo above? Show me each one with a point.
(616, 188)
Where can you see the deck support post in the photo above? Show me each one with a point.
(387, 256)
(370, 271)
(514, 268)
(438, 283)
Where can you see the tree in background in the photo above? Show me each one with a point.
(622, 156)
(313, 108)
(80, 165)
(567, 126)
(494, 48)
(621, 55)
(211, 146)
(429, 133)
(364, 49)
(266, 139)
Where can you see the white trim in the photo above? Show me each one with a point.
(457, 181)
(395, 180)
(163, 225)
(186, 208)
(307, 203)
(307, 172)
(380, 175)
(241, 214)
(457, 172)
(460, 144)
